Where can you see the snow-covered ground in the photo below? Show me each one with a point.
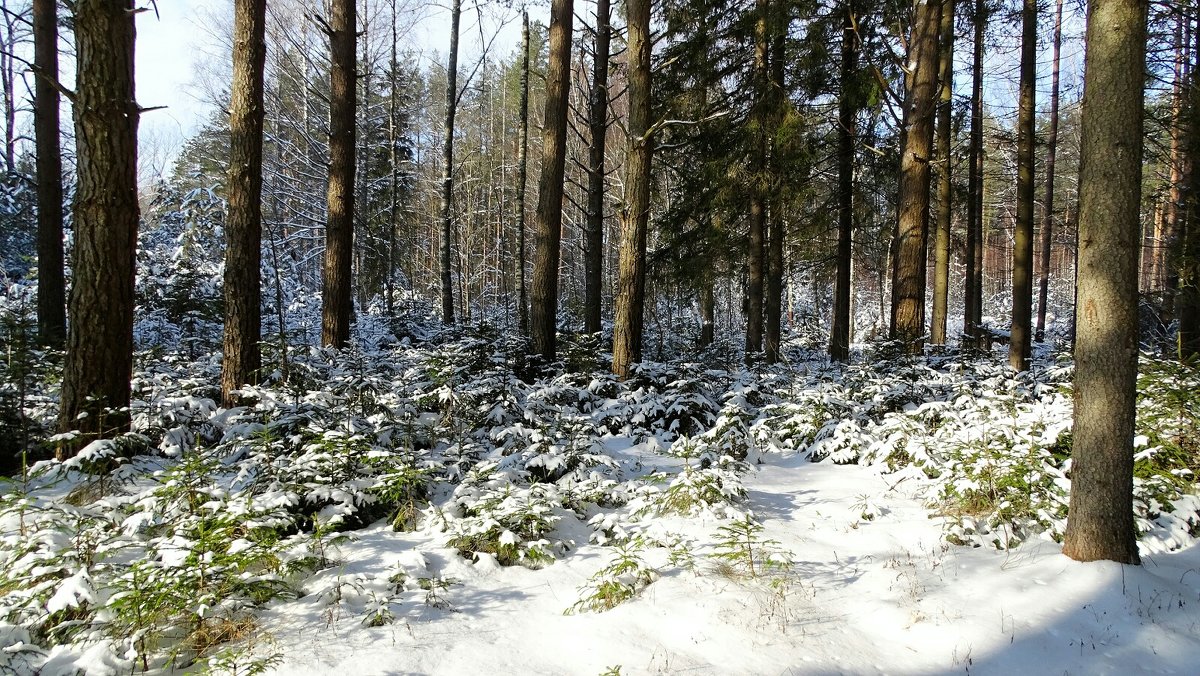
(858, 595)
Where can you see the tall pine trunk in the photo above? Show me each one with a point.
(941, 239)
(1051, 152)
(99, 360)
(775, 221)
(839, 342)
(243, 223)
(912, 231)
(1019, 345)
(447, 206)
(51, 300)
(756, 255)
(593, 261)
(631, 284)
(522, 177)
(1179, 161)
(1100, 520)
(336, 299)
(1187, 259)
(548, 222)
(973, 286)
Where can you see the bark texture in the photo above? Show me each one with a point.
(973, 287)
(631, 284)
(337, 302)
(848, 104)
(548, 224)
(1019, 345)
(941, 239)
(912, 232)
(99, 360)
(51, 300)
(776, 223)
(756, 252)
(522, 177)
(448, 166)
(593, 261)
(1100, 522)
(243, 223)
(1051, 153)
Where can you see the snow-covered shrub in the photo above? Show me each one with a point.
(621, 579)
(714, 490)
(506, 521)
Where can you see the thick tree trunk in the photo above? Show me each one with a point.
(1051, 152)
(243, 223)
(941, 239)
(337, 303)
(99, 361)
(548, 226)
(848, 104)
(522, 177)
(1100, 521)
(1022, 271)
(912, 232)
(631, 284)
(52, 321)
(593, 246)
(448, 165)
(973, 286)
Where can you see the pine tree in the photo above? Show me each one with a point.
(99, 360)
(52, 324)
(243, 224)
(548, 226)
(1100, 521)
(337, 303)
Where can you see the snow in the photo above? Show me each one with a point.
(872, 588)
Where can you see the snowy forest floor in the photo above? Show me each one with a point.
(439, 506)
(858, 595)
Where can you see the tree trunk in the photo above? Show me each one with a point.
(522, 177)
(593, 246)
(1019, 344)
(52, 321)
(1179, 162)
(1051, 151)
(848, 104)
(941, 240)
(337, 303)
(1100, 522)
(708, 308)
(776, 228)
(393, 173)
(630, 300)
(1188, 257)
(243, 222)
(973, 286)
(448, 165)
(756, 256)
(99, 360)
(548, 224)
(908, 280)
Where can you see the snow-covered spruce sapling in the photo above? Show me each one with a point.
(742, 551)
(715, 490)
(510, 523)
(618, 581)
